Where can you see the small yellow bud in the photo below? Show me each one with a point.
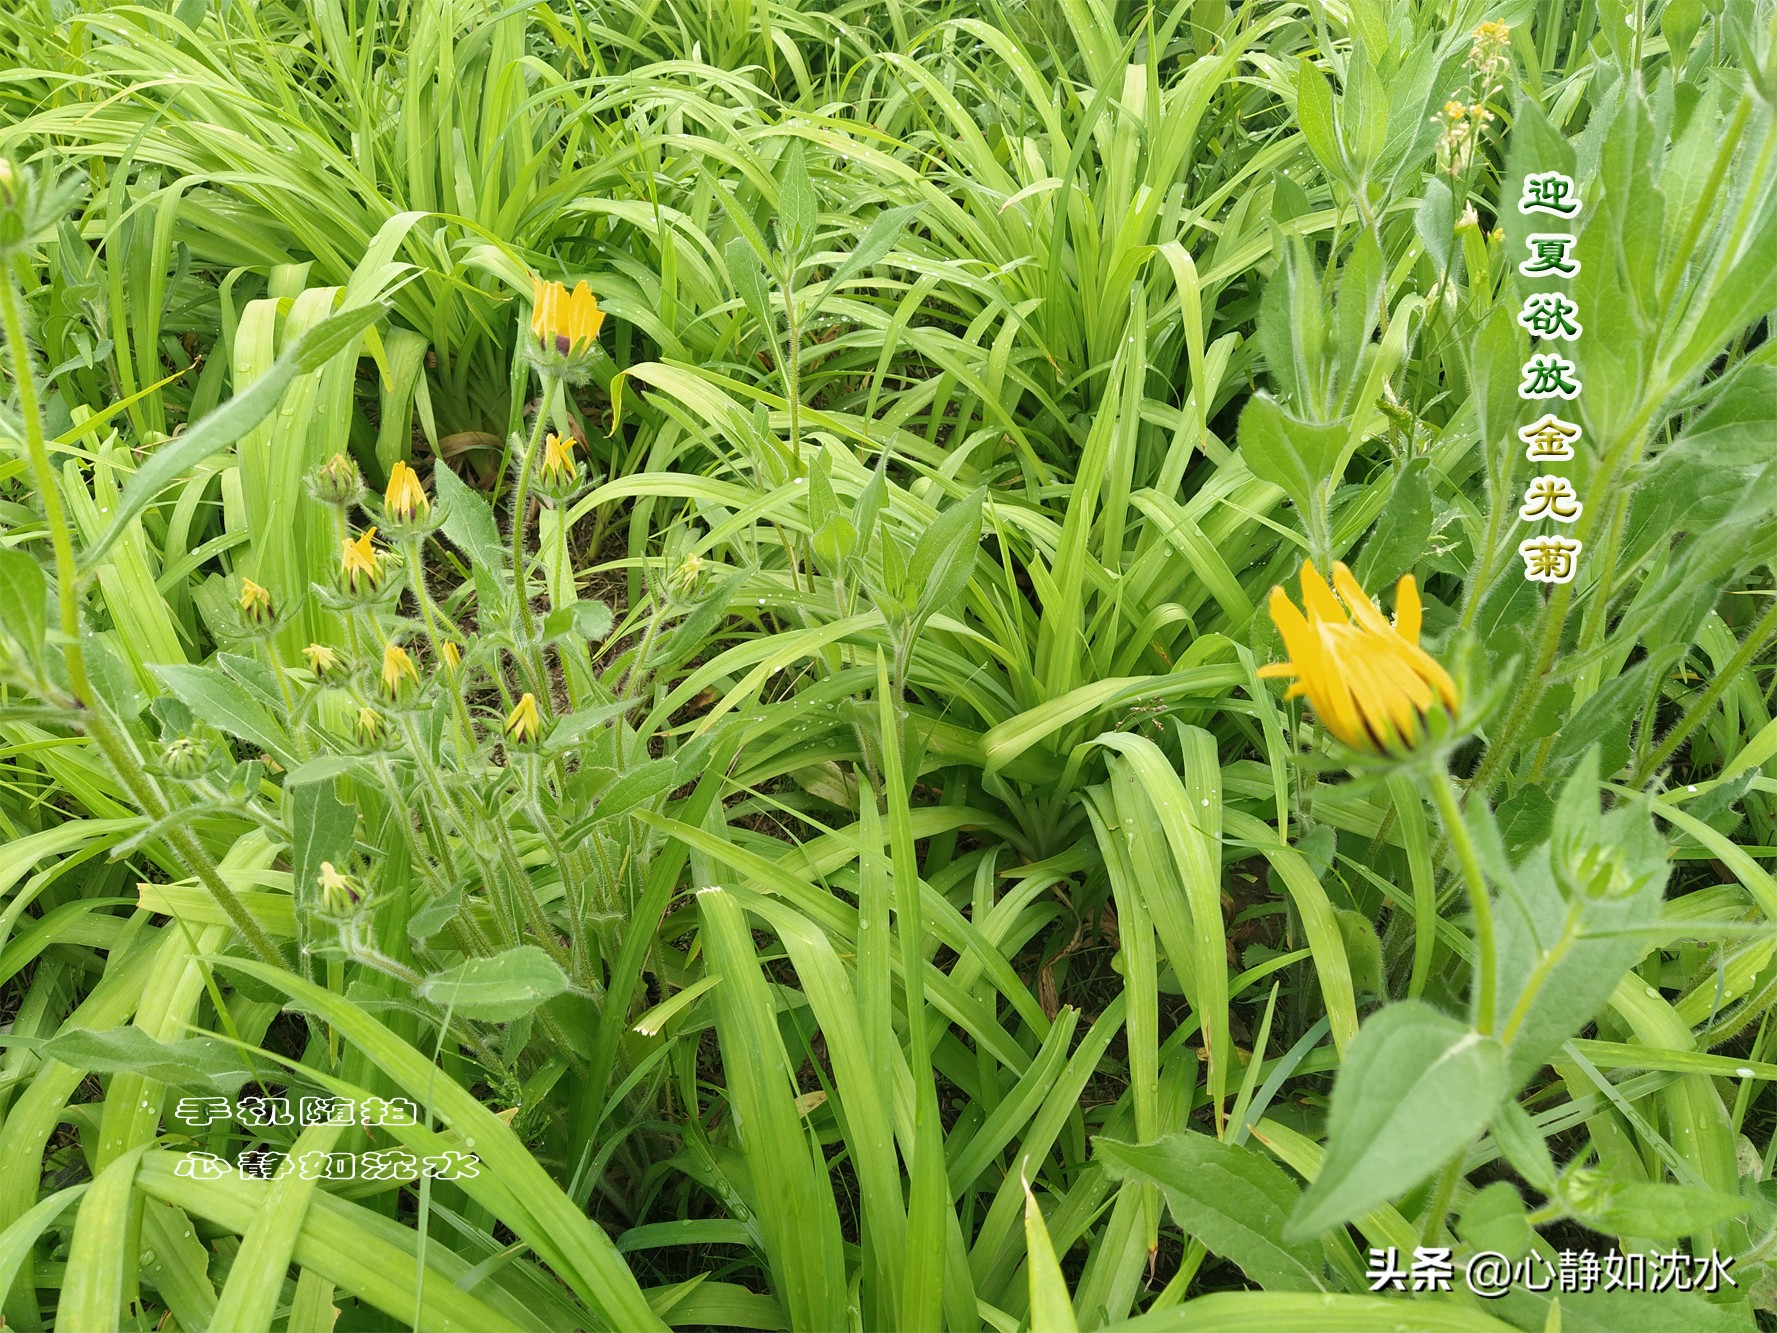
(397, 667)
(405, 497)
(452, 656)
(558, 459)
(358, 560)
(256, 603)
(369, 725)
(339, 893)
(322, 660)
(524, 723)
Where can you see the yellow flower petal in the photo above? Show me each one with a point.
(1368, 681)
(1358, 600)
(1408, 611)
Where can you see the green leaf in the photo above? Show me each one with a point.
(748, 276)
(1569, 917)
(1314, 112)
(884, 230)
(589, 620)
(468, 521)
(1288, 452)
(1403, 528)
(227, 706)
(192, 1062)
(1435, 222)
(797, 209)
(1228, 1196)
(176, 457)
(1415, 1088)
(1517, 1137)
(499, 989)
(322, 828)
(23, 603)
(944, 560)
(1495, 1220)
(1363, 113)
(1663, 1212)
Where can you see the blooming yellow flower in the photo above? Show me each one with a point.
(524, 722)
(397, 666)
(405, 497)
(321, 658)
(563, 320)
(1369, 682)
(558, 458)
(359, 558)
(255, 602)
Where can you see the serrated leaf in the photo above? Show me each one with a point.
(468, 520)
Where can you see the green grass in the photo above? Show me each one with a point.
(916, 912)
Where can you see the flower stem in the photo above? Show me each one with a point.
(520, 503)
(1443, 790)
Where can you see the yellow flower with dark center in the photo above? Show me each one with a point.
(564, 321)
(255, 602)
(405, 497)
(358, 560)
(558, 458)
(1369, 682)
(321, 658)
(523, 723)
(397, 667)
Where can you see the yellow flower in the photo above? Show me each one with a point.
(359, 558)
(1369, 682)
(523, 722)
(405, 496)
(563, 320)
(397, 666)
(1455, 110)
(451, 654)
(686, 573)
(321, 658)
(339, 893)
(369, 725)
(558, 458)
(255, 602)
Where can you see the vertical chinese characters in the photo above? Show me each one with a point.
(1554, 318)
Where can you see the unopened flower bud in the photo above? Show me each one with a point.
(340, 893)
(336, 482)
(255, 604)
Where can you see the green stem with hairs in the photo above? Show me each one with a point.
(1443, 789)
